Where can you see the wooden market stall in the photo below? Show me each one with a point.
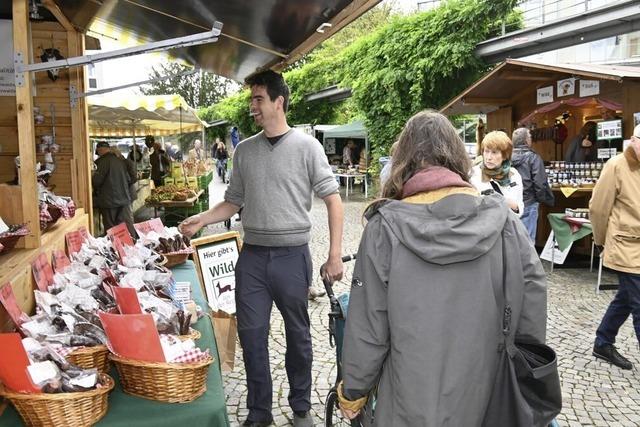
(20, 136)
(543, 97)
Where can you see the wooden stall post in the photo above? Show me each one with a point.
(80, 129)
(630, 105)
(26, 131)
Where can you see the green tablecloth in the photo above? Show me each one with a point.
(562, 230)
(129, 411)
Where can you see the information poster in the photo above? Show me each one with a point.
(551, 251)
(566, 87)
(7, 78)
(216, 258)
(545, 95)
(589, 88)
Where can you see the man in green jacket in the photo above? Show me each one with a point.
(111, 182)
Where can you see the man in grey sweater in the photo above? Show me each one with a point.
(275, 174)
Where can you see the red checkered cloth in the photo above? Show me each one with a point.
(22, 231)
(188, 250)
(45, 216)
(66, 205)
(192, 356)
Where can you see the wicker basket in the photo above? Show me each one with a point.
(163, 382)
(176, 258)
(62, 409)
(91, 357)
(193, 334)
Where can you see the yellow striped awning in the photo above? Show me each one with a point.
(126, 115)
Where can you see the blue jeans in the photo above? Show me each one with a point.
(530, 219)
(626, 301)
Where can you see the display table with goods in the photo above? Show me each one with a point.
(113, 297)
(567, 229)
(572, 185)
(177, 202)
(351, 175)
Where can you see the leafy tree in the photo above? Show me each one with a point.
(397, 66)
(198, 90)
(417, 62)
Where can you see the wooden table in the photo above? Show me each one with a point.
(176, 203)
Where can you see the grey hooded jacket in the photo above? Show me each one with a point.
(423, 318)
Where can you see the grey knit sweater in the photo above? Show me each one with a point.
(275, 184)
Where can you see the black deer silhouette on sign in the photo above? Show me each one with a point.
(223, 289)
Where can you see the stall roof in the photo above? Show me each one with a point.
(255, 34)
(514, 78)
(113, 115)
(351, 130)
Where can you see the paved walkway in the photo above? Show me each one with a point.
(595, 393)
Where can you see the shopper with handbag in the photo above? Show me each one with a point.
(427, 307)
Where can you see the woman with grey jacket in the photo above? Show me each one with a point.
(423, 323)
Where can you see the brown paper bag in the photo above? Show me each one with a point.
(225, 327)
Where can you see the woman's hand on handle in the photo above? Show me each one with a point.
(349, 414)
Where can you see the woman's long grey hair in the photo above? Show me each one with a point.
(428, 139)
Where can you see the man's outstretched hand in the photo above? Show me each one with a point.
(190, 226)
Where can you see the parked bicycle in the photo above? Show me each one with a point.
(337, 319)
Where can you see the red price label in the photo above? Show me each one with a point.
(42, 272)
(74, 242)
(8, 300)
(60, 260)
(121, 232)
(84, 232)
(117, 243)
(146, 227)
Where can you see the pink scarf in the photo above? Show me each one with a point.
(432, 178)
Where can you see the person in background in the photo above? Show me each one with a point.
(386, 169)
(134, 162)
(274, 178)
(159, 160)
(214, 147)
(423, 323)
(235, 137)
(535, 186)
(495, 172)
(221, 160)
(347, 153)
(614, 211)
(583, 147)
(196, 153)
(111, 182)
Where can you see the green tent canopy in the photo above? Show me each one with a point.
(350, 130)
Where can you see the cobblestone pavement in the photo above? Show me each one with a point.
(594, 392)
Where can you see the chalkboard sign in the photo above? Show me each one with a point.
(215, 257)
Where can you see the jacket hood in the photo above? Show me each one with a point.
(456, 228)
(519, 155)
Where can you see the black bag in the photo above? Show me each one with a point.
(526, 392)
